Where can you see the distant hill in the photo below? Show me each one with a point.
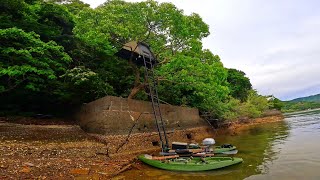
(314, 98)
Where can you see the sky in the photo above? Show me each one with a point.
(275, 42)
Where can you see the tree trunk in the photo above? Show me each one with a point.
(135, 90)
(138, 86)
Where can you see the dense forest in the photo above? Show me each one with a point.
(58, 54)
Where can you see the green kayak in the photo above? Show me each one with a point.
(221, 149)
(189, 164)
(224, 148)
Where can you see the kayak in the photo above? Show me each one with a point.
(231, 150)
(222, 149)
(176, 163)
(185, 148)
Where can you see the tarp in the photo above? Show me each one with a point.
(138, 51)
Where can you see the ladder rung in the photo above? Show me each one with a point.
(155, 98)
(155, 103)
(152, 95)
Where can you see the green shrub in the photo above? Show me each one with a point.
(252, 108)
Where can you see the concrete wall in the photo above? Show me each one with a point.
(111, 116)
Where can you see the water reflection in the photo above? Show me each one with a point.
(277, 150)
(298, 157)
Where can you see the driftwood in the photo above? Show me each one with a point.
(126, 167)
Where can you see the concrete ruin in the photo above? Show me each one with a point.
(115, 116)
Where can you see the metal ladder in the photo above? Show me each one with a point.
(153, 95)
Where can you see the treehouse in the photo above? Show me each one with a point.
(139, 53)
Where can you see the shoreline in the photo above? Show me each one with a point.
(239, 126)
(68, 152)
(304, 111)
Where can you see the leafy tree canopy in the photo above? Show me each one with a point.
(30, 71)
(27, 62)
(74, 6)
(50, 21)
(193, 81)
(57, 53)
(163, 26)
(275, 103)
(239, 84)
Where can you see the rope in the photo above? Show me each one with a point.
(131, 129)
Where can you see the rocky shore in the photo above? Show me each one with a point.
(64, 151)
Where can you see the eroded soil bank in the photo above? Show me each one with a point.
(64, 151)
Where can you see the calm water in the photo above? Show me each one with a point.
(283, 150)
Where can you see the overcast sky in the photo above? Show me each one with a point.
(275, 42)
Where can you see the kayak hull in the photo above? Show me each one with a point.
(194, 164)
(221, 150)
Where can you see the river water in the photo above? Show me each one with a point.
(288, 149)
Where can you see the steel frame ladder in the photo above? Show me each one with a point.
(153, 95)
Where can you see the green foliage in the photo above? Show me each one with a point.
(15, 13)
(84, 85)
(189, 81)
(299, 106)
(54, 22)
(114, 23)
(30, 71)
(162, 26)
(239, 84)
(74, 6)
(50, 21)
(258, 101)
(252, 108)
(27, 62)
(58, 54)
(231, 109)
(275, 103)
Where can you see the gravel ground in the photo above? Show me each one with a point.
(55, 152)
(63, 151)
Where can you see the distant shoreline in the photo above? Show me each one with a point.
(298, 112)
(239, 126)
